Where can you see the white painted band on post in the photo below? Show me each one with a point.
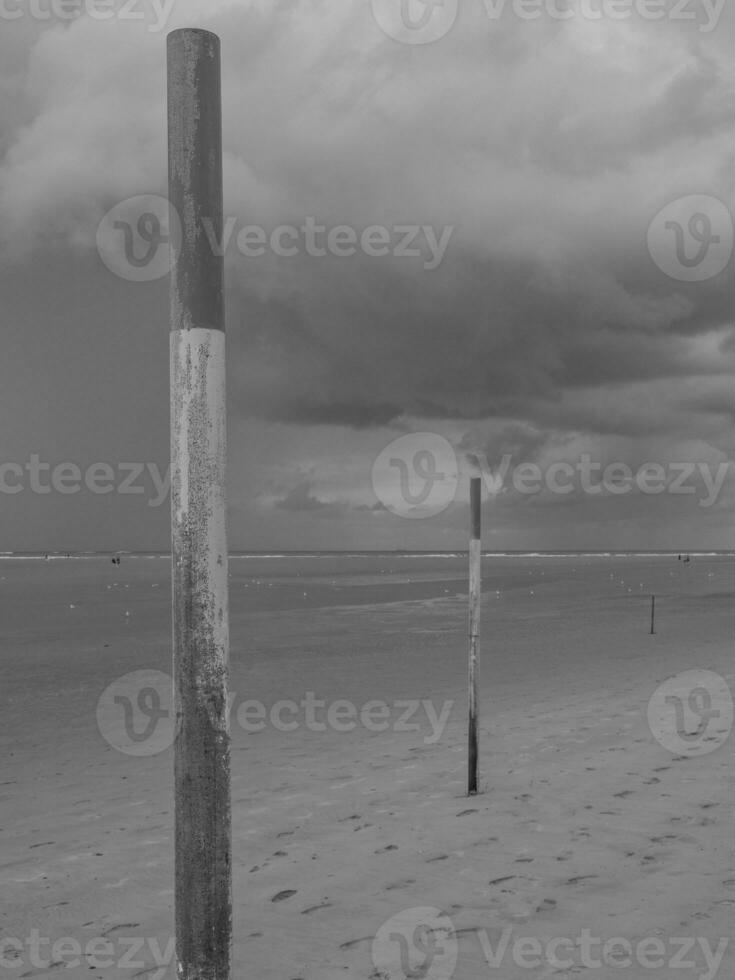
(199, 439)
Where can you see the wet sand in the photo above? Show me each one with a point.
(585, 822)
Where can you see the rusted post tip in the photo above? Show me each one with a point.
(191, 33)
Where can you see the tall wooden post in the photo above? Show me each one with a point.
(474, 631)
(653, 614)
(203, 837)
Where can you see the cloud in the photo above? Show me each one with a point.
(546, 285)
(547, 147)
(301, 498)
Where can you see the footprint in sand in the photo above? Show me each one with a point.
(282, 896)
(404, 883)
(388, 847)
(356, 942)
(439, 857)
(315, 908)
(579, 835)
(464, 813)
(123, 925)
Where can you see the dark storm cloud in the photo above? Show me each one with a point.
(545, 147)
(546, 284)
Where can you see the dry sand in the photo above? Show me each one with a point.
(586, 822)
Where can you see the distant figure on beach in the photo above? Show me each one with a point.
(116, 561)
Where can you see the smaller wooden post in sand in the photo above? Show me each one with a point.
(474, 631)
(653, 614)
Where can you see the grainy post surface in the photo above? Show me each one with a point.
(474, 632)
(203, 873)
(653, 614)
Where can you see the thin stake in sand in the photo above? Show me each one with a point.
(474, 632)
(203, 836)
(653, 614)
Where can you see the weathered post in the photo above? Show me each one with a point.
(653, 614)
(474, 631)
(203, 873)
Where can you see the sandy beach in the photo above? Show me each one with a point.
(349, 805)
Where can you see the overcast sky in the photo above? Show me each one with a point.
(569, 298)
